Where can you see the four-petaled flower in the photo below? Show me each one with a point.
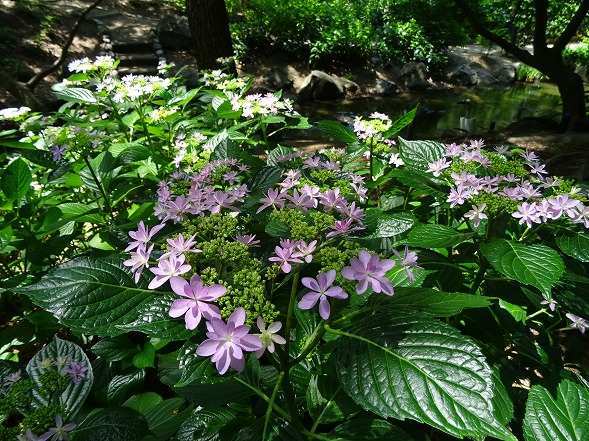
(368, 269)
(408, 261)
(195, 305)
(226, 342)
(285, 257)
(321, 288)
(76, 371)
(268, 336)
(59, 432)
(173, 266)
(578, 322)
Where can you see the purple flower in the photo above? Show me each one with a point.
(59, 432)
(75, 370)
(305, 250)
(142, 235)
(562, 203)
(459, 196)
(28, 436)
(180, 245)
(194, 307)
(578, 322)
(342, 227)
(249, 240)
(321, 289)
(275, 199)
(368, 269)
(332, 200)
(408, 261)
(58, 152)
(550, 303)
(285, 257)
(268, 336)
(527, 214)
(476, 214)
(436, 167)
(226, 342)
(174, 266)
(139, 260)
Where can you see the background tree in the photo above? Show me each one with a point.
(512, 25)
(210, 32)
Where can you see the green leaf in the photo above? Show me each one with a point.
(274, 155)
(143, 402)
(400, 123)
(115, 348)
(5, 237)
(563, 419)
(113, 424)
(368, 429)
(79, 212)
(517, 312)
(278, 430)
(434, 302)
(61, 350)
(388, 225)
(165, 419)
(536, 265)
(265, 179)
(419, 368)
(276, 228)
(75, 95)
(326, 400)
(146, 358)
(208, 425)
(97, 296)
(16, 180)
(418, 154)
(123, 386)
(575, 245)
(501, 402)
(424, 182)
(436, 236)
(337, 131)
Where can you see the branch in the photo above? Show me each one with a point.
(572, 27)
(34, 82)
(541, 21)
(483, 31)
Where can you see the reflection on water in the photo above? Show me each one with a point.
(440, 110)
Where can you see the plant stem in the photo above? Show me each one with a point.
(99, 185)
(271, 403)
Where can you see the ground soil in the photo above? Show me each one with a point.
(26, 47)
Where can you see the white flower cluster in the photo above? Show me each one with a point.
(13, 112)
(133, 88)
(261, 105)
(86, 65)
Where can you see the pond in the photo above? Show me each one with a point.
(440, 110)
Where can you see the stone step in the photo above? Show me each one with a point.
(137, 60)
(133, 47)
(137, 70)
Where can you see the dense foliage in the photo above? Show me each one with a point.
(398, 31)
(170, 271)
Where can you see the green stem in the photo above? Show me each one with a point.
(148, 135)
(288, 391)
(315, 337)
(536, 313)
(265, 397)
(483, 266)
(100, 187)
(271, 403)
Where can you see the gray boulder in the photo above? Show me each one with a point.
(506, 74)
(174, 33)
(279, 79)
(320, 86)
(463, 75)
(385, 87)
(414, 76)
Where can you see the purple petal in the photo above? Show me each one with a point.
(336, 292)
(309, 300)
(361, 287)
(213, 292)
(178, 283)
(207, 348)
(250, 343)
(180, 307)
(349, 273)
(310, 283)
(192, 318)
(324, 308)
(238, 317)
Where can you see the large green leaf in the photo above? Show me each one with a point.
(337, 131)
(401, 123)
(97, 296)
(16, 180)
(418, 154)
(326, 400)
(434, 302)
(536, 265)
(165, 418)
(436, 236)
(416, 367)
(75, 95)
(368, 429)
(563, 419)
(113, 424)
(212, 424)
(62, 352)
(575, 245)
(388, 225)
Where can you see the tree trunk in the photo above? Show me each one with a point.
(210, 32)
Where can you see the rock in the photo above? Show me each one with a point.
(486, 79)
(506, 74)
(581, 70)
(279, 79)
(349, 85)
(463, 75)
(385, 87)
(414, 76)
(320, 86)
(174, 33)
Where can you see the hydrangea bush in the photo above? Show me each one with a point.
(188, 277)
